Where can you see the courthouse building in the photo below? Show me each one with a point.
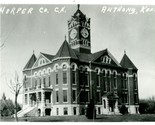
(64, 83)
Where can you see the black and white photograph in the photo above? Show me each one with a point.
(77, 63)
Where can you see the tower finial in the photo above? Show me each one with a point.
(33, 51)
(124, 52)
(78, 6)
(65, 37)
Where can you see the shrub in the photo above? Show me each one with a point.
(123, 109)
(147, 107)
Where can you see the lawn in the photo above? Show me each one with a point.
(101, 118)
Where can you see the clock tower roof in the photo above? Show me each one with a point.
(78, 13)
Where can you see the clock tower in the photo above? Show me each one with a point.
(79, 32)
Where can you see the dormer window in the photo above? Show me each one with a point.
(41, 62)
(106, 59)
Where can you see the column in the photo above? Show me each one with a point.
(116, 110)
(42, 103)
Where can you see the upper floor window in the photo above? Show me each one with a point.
(57, 79)
(42, 62)
(135, 81)
(86, 77)
(98, 94)
(115, 79)
(98, 80)
(64, 67)
(74, 94)
(65, 96)
(104, 73)
(44, 82)
(108, 73)
(57, 96)
(64, 77)
(106, 59)
(125, 81)
(73, 77)
(49, 80)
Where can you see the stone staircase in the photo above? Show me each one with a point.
(27, 111)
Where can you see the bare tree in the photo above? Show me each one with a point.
(15, 87)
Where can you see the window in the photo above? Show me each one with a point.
(104, 73)
(64, 67)
(135, 98)
(39, 83)
(135, 81)
(57, 96)
(39, 96)
(86, 79)
(81, 78)
(98, 80)
(115, 80)
(64, 77)
(64, 95)
(41, 62)
(115, 83)
(125, 81)
(65, 111)
(98, 94)
(25, 98)
(74, 77)
(57, 111)
(108, 85)
(108, 73)
(35, 83)
(49, 71)
(104, 85)
(44, 82)
(56, 78)
(106, 59)
(74, 110)
(125, 98)
(74, 95)
(99, 110)
(104, 103)
(49, 79)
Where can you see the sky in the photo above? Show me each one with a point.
(45, 28)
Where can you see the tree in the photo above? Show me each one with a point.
(15, 87)
(7, 106)
(147, 106)
(3, 96)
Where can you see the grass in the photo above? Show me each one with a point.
(101, 118)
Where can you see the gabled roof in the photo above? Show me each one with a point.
(30, 62)
(65, 51)
(127, 63)
(100, 53)
(48, 56)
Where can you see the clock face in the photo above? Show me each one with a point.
(84, 32)
(73, 33)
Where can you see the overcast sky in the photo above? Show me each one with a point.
(45, 32)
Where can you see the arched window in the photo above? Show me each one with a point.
(135, 81)
(64, 67)
(115, 79)
(86, 77)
